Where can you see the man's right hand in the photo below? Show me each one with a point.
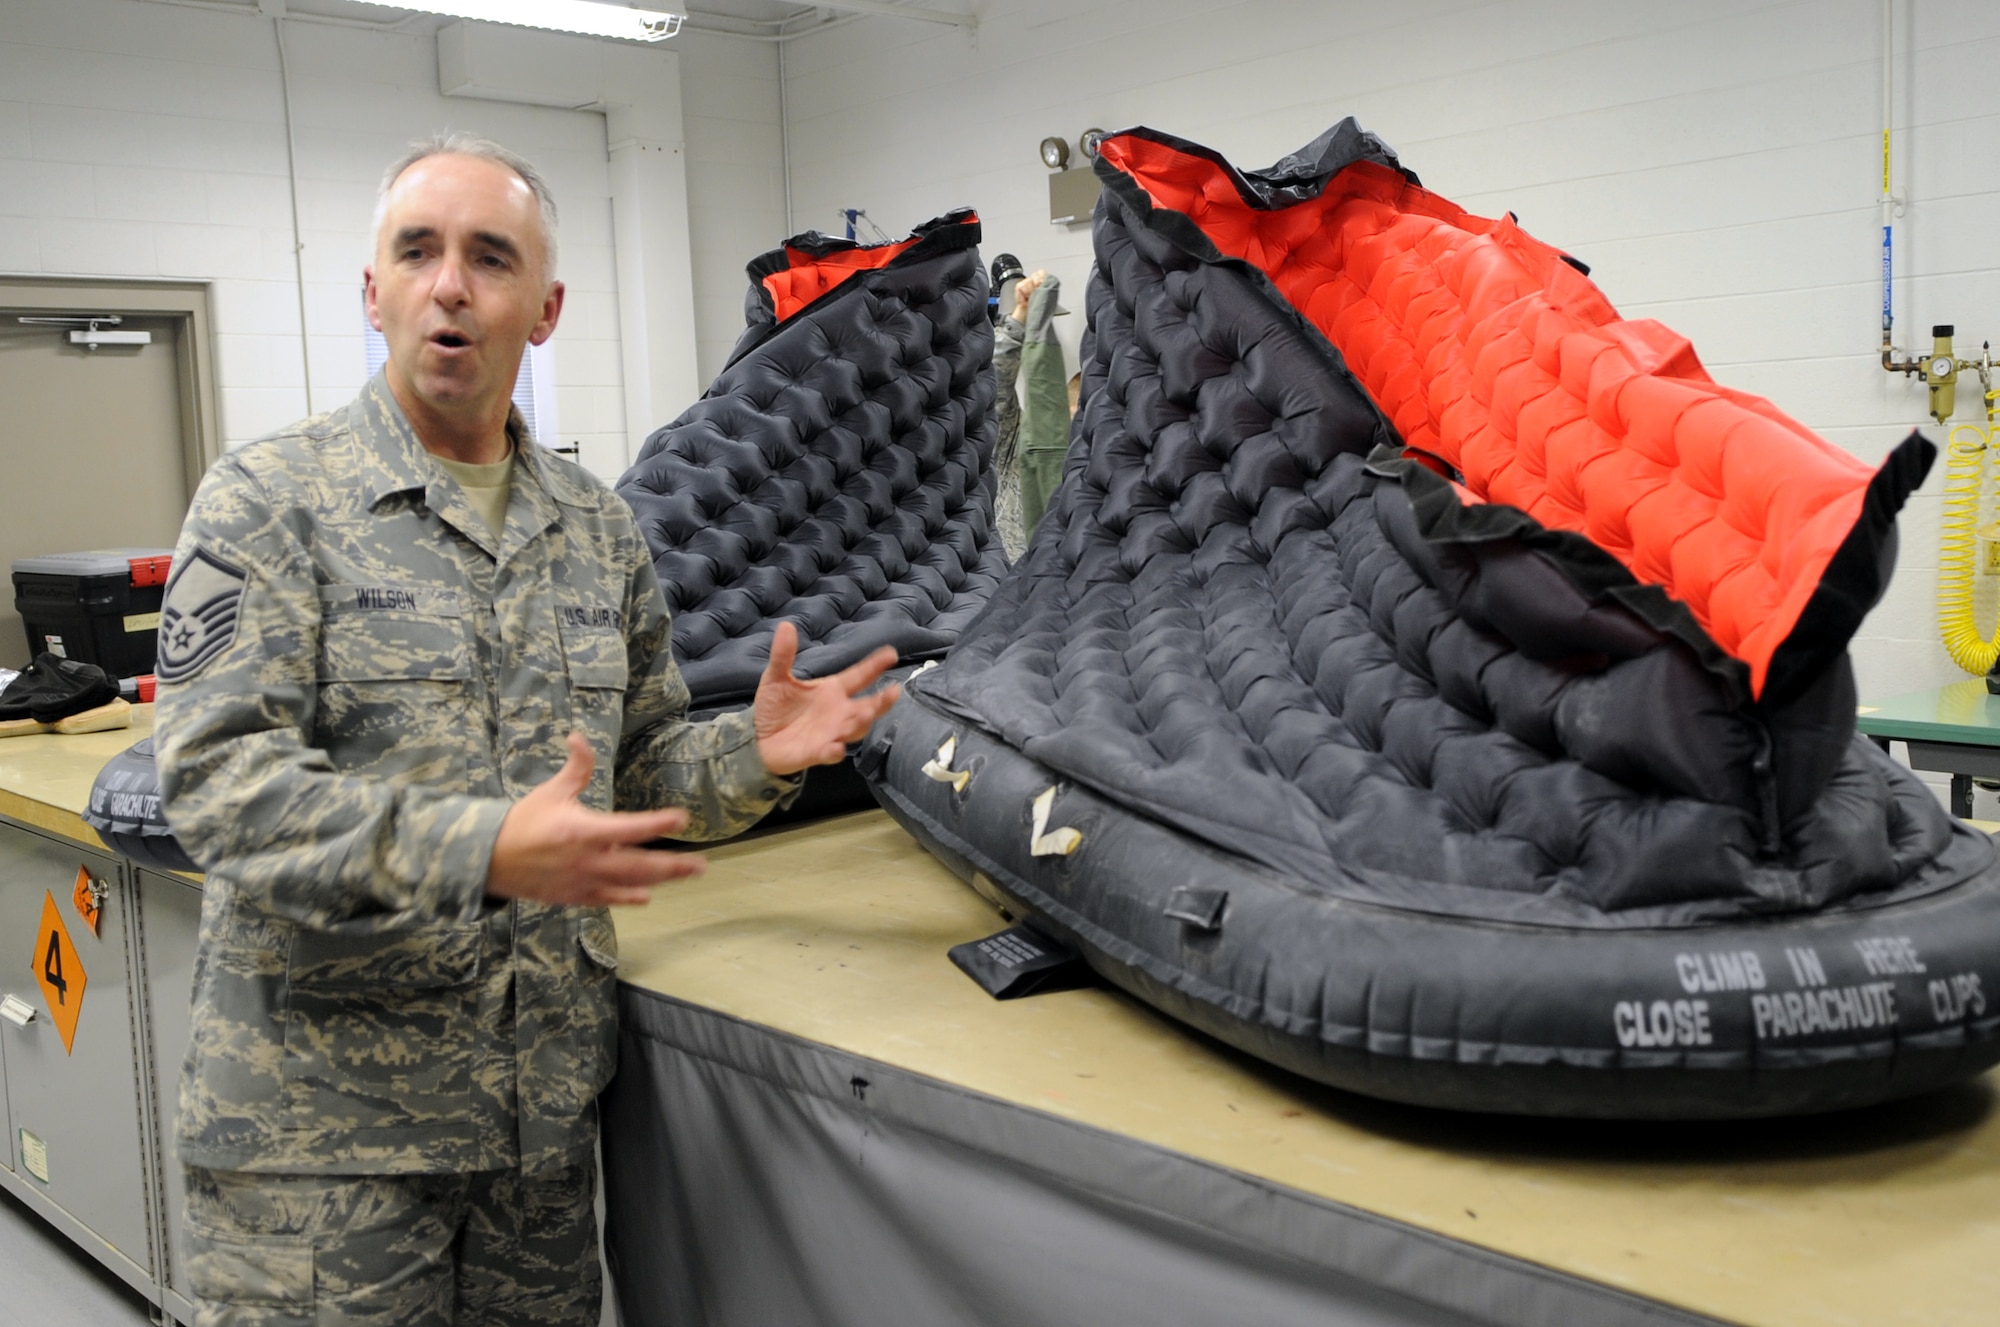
(553, 849)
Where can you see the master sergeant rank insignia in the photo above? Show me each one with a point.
(198, 617)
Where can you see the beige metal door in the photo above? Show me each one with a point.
(92, 447)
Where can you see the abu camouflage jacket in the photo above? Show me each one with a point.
(1007, 340)
(357, 679)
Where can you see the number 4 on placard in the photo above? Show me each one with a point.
(59, 972)
(52, 973)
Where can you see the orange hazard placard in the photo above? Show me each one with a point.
(58, 971)
(85, 896)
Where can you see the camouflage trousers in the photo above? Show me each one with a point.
(393, 1250)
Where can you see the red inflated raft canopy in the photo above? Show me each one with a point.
(1485, 348)
(815, 264)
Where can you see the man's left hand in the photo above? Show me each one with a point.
(802, 723)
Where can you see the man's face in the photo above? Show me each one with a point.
(457, 287)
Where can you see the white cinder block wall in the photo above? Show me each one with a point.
(1717, 162)
(736, 183)
(147, 140)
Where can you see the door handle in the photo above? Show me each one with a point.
(17, 1011)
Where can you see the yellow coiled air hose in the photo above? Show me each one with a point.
(1958, 545)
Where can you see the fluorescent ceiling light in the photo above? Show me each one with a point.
(562, 15)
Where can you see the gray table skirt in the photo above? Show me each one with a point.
(754, 1179)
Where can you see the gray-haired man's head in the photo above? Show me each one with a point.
(462, 281)
(459, 143)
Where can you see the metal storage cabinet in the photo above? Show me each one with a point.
(170, 909)
(87, 1106)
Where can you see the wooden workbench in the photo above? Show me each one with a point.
(836, 935)
(45, 779)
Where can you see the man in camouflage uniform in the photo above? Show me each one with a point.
(1045, 405)
(1028, 455)
(409, 663)
(1011, 291)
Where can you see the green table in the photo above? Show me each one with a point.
(1952, 729)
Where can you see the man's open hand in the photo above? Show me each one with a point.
(554, 849)
(802, 723)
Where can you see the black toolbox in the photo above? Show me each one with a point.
(102, 607)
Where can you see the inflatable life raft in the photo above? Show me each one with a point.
(124, 809)
(838, 474)
(1435, 685)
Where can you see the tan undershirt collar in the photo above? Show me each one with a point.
(486, 487)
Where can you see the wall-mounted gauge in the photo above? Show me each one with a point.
(1055, 153)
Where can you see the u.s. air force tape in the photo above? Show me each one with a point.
(198, 616)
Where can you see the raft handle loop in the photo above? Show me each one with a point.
(1200, 908)
(1045, 842)
(939, 767)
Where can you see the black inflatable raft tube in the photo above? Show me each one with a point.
(124, 809)
(1748, 1018)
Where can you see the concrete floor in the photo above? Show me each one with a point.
(46, 1281)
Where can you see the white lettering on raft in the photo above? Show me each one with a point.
(1707, 973)
(129, 806)
(1953, 1000)
(1890, 956)
(1662, 1023)
(1838, 1009)
(1806, 968)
